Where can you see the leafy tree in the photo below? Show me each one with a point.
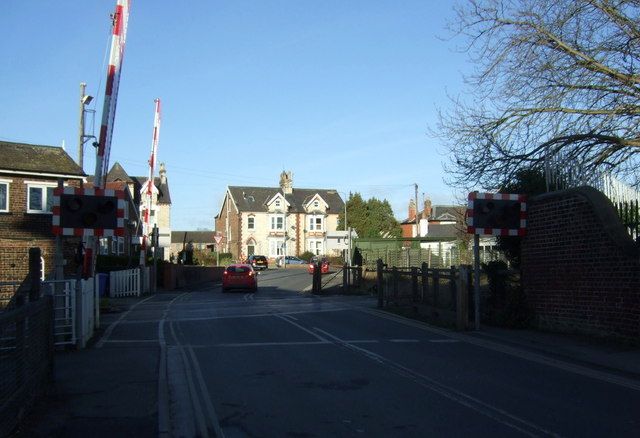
(555, 81)
(371, 218)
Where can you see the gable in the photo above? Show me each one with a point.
(316, 204)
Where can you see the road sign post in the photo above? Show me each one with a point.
(218, 239)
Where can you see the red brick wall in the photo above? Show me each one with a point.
(580, 269)
(234, 244)
(20, 231)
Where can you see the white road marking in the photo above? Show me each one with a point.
(199, 418)
(211, 412)
(164, 415)
(512, 351)
(460, 397)
(132, 341)
(258, 344)
(113, 325)
(312, 333)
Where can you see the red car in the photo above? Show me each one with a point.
(324, 265)
(239, 276)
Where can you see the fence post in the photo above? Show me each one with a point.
(414, 283)
(394, 277)
(345, 277)
(452, 286)
(358, 279)
(424, 272)
(462, 298)
(317, 278)
(35, 273)
(379, 283)
(436, 287)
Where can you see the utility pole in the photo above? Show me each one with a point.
(81, 130)
(415, 185)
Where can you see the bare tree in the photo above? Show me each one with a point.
(554, 79)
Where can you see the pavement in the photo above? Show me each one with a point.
(101, 394)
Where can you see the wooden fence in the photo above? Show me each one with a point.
(438, 291)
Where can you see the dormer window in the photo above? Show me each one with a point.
(316, 204)
(277, 203)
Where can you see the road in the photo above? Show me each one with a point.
(282, 363)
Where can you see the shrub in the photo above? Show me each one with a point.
(306, 255)
(506, 303)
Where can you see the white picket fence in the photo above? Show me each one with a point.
(67, 330)
(128, 283)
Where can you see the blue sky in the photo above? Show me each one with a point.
(340, 92)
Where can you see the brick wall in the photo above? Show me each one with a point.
(233, 244)
(20, 231)
(580, 269)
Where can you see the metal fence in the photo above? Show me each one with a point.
(439, 257)
(629, 213)
(26, 358)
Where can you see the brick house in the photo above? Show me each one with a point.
(160, 208)
(257, 220)
(444, 226)
(28, 175)
(202, 240)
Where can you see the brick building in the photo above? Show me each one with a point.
(28, 175)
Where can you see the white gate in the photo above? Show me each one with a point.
(67, 330)
(124, 283)
(64, 310)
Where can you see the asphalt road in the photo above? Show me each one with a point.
(286, 364)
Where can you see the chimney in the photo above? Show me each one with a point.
(163, 174)
(412, 210)
(427, 208)
(286, 182)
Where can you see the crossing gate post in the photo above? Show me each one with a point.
(379, 283)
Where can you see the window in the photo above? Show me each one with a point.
(251, 222)
(251, 249)
(316, 204)
(277, 222)
(276, 247)
(316, 247)
(315, 223)
(120, 245)
(4, 196)
(104, 246)
(39, 198)
(277, 203)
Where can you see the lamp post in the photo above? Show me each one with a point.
(346, 228)
(85, 100)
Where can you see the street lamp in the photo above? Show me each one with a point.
(85, 100)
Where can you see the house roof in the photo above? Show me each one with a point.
(254, 199)
(117, 173)
(194, 236)
(38, 159)
(447, 212)
(443, 230)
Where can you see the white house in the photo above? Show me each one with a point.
(275, 221)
